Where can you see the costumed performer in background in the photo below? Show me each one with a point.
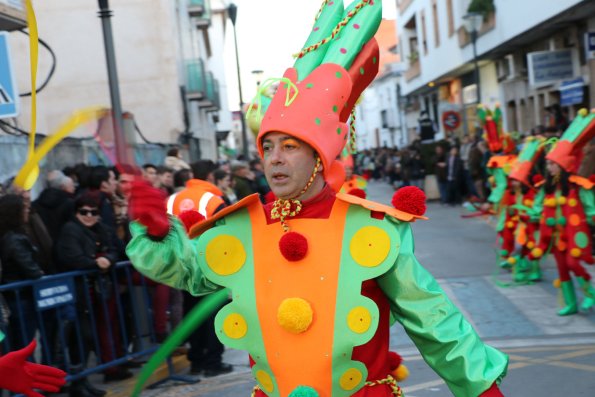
(315, 275)
(567, 207)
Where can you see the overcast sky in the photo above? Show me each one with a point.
(269, 32)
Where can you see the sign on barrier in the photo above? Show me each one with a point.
(54, 293)
(9, 95)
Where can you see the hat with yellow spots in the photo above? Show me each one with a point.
(568, 152)
(316, 96)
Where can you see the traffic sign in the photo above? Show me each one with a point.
(451, 120)
(9, 95)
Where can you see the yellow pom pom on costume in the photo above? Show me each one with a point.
(530, 245)
(561, 200)
(575, 252)
(550, 202)
(537, 252)
(556, 283)
(511, 260)
(295, 315)
(401, 373)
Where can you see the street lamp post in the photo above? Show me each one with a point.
(232, 11)
(473, 21)
(110, 57)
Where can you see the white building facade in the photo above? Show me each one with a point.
(169, 57)
(515, 41)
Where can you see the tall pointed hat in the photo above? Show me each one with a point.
(568, 152)
(491, 122)
(525, 165)
(316, 96)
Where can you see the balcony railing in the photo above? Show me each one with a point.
(211, 101)
(196, 84)
(196, 8)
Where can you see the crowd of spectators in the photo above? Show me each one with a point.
(80, 222)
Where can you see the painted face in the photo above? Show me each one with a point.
(553, 168)
(288, 166)
(88, 216)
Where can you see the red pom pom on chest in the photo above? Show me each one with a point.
(190, 218)
(410, 199)
(293, 246)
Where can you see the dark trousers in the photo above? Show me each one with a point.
(205, 348)
(454, 192)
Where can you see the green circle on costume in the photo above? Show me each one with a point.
(504, 252)
(317, 121)
(374, 60)
(550, 221)
(562, 221)
(361, 71)
(581, 240)
(369, 246)
(335, 108)
(339, 131)
(309, 85)
(225, 255)
(338, 75)
(303, 391)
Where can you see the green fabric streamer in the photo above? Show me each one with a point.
(290, 95)
(193, 320)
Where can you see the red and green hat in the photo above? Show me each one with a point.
(316, 96)
(524, 167)
(568, 152)
(491, 122)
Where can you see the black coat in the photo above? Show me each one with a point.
(78, 246)
(19, 258)
(55, 207)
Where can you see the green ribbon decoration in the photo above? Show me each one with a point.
(289, 98)
(193, 320)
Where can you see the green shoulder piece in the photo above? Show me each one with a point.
(587, 197)
(370, 248)
(329, 16)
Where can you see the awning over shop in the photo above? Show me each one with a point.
(571, 92)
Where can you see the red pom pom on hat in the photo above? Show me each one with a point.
(190, 218)
(293, 246)
(410, 199)
(357, 192)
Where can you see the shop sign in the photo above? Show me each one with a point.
(571, 92)
(451, 120)
(548, 67)
(9, 96)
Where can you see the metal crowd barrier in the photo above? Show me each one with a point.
(52, 307)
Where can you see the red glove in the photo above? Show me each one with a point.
(20, 376)
(147, 206)
(492, 392)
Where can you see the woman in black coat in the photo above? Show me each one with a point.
(19, 262)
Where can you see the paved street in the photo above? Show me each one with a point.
(549, 355)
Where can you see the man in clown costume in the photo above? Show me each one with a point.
(315, 275)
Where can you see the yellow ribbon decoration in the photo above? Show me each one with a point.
(30, 171)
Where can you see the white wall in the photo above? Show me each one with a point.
(513, 17)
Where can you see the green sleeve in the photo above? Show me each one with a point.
(447, 342)
(501, 183)
(173, 261)
(537, 208)
(588, 200)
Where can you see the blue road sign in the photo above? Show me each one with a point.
(9, 95)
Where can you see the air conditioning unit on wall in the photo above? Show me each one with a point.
(12, 15)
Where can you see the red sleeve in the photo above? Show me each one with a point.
(492, 392)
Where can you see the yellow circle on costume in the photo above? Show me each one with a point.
(574, 219)
(235, 326)
(528, 202)
(295, 315)
(369, 246)
(572, 202)
(225, 255)
(511, 260)
(265, 380)
(359, 319)
(537, 252)
(350, 379)
(550, 202)
(575, 252)
(510, 224)
(530, 245)
(561, 200)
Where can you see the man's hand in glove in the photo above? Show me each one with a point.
(21, 376)
(147, 206)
